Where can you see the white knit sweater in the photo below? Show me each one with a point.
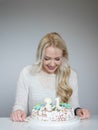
(33, 89)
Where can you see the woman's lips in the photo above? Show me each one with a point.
(51, 67)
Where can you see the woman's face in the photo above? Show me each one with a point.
(52, 59)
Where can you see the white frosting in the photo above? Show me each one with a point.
(61, 114)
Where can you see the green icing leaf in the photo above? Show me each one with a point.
(66, 105)
(53, 108)
(38, 106)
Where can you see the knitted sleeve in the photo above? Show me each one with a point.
(22, 92)
(74, 84)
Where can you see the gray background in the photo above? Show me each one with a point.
(24, 22)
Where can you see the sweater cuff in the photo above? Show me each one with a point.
(76, 110)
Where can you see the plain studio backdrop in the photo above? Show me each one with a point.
(24, 22)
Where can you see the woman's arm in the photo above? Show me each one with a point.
(20, 107)
(73, 82)
(81, 112)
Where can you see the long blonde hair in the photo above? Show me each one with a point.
(63, 90)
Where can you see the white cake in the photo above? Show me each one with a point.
(53, 112)
(52, 115)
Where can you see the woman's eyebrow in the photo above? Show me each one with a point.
(54, 58)
(47, 57)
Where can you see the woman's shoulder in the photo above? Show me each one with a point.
(27, 69)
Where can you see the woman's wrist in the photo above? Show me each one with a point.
(75, 110)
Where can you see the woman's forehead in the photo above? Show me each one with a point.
(49, 51)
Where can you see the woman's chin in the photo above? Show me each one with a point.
(51, 71)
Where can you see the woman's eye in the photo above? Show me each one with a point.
(57, 59)
(46, 58)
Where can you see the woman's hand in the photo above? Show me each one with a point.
(18, 115)
(83, 113)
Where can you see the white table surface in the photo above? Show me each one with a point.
(87, 124)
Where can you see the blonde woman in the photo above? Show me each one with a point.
(51, 76)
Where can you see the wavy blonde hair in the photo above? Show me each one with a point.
(63, 90)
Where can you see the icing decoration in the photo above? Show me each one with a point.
(48, 102)
(57, 102)
(66, 105)
(38, 106)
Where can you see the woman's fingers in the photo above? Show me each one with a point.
(18, 115)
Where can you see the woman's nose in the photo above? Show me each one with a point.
(52, 63)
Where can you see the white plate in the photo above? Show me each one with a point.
(54, 124)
